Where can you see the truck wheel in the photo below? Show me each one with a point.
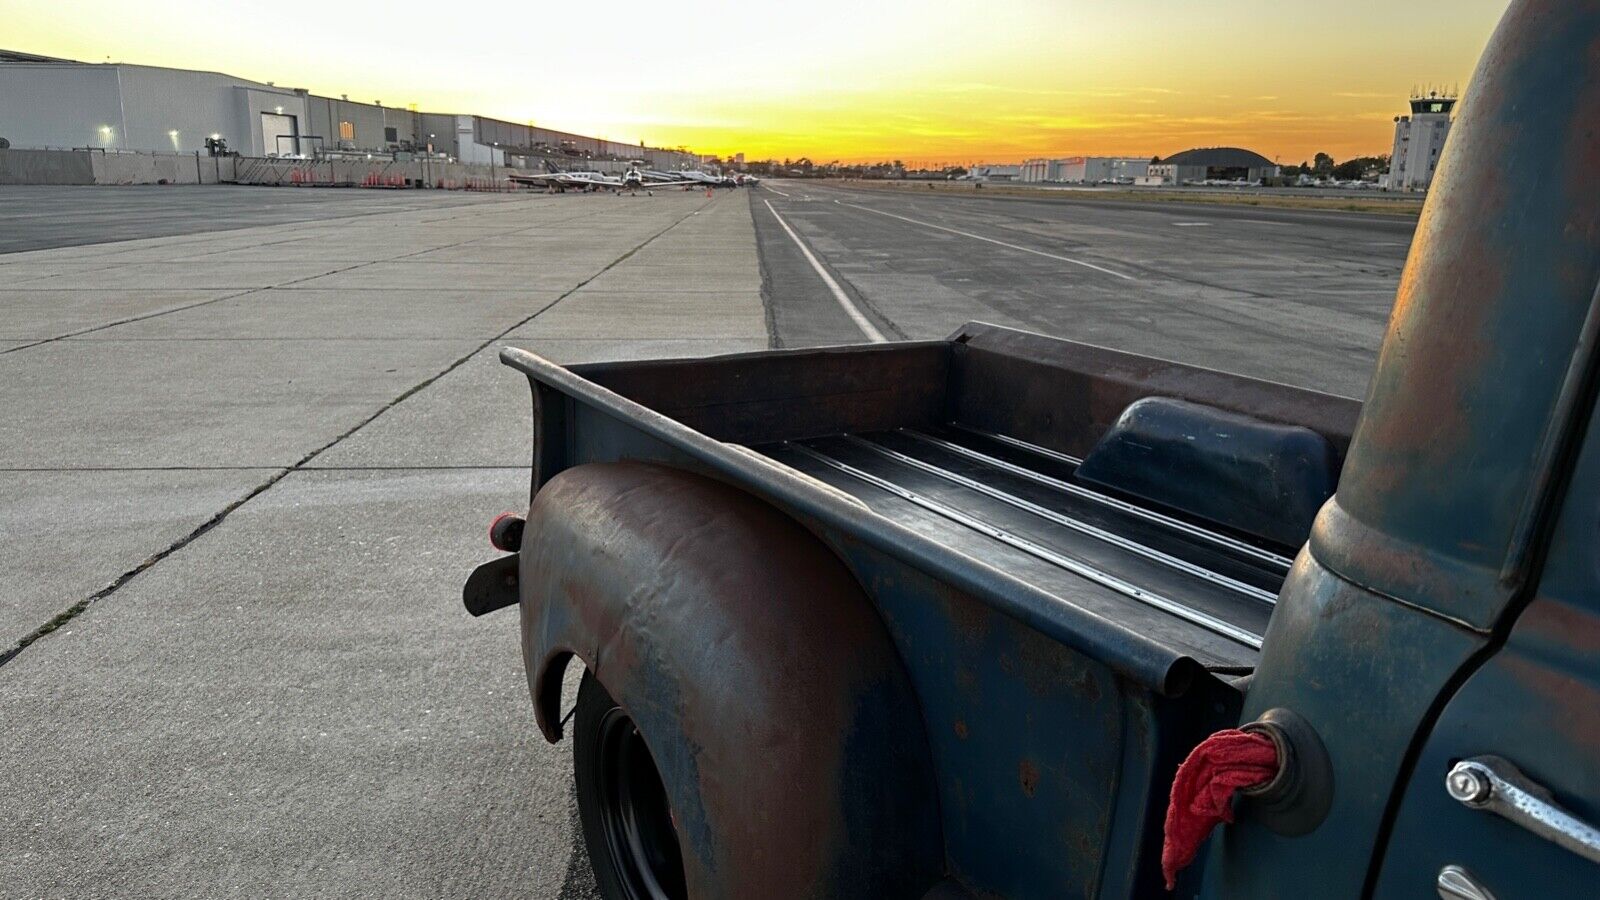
(628, 825)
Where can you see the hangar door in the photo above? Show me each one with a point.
(280, 135)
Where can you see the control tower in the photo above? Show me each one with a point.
(1419, 140)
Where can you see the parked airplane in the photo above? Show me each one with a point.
(632, 180)
(706, 178)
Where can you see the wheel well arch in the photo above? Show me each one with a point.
(756, 665)
(548, 683)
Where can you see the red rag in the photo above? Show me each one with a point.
(1202, 791)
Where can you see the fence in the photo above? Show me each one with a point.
(96, 166)
(375, 173)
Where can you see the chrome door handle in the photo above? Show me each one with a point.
(1456, 883)
(1493, 784)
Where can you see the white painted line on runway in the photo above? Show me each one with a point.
(774, 190)
(862, 322)
(1191, 224)
(979, 237)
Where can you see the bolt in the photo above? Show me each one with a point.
(1468, 783)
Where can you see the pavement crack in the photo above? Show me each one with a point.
(72, 611)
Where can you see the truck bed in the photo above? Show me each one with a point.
(966, 455)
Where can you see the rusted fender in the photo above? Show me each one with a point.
(762, 678)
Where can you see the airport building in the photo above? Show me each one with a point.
(1209, 164)
(59, 103)
(1419, 142)
(65, 104)
(1085, 169)
(1035, 171)
(986, 172)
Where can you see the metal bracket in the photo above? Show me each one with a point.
(492, 586)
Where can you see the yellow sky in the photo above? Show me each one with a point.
(956, 81)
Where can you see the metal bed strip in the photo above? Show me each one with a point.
(1115, 540)
(1105, 579)
(1221, 540)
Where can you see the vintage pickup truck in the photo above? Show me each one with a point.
(942, 619)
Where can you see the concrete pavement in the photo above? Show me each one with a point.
(46, 216)
(267, 455)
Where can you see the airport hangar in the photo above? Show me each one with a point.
(59, 103)
(1210, 164)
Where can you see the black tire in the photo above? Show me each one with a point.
(628, 827)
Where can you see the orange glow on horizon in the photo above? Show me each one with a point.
(954, 82)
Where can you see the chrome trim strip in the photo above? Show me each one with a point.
(1104, 579)
(1116, 540)
(1221, 540)
(1056, 455)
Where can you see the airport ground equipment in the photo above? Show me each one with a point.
(941, 619)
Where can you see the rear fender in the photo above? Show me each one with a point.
(761, 676)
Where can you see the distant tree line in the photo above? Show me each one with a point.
(806, 168)
(1354, 169)
(1321, 166)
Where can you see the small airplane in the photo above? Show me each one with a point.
(707, 179)
(632, 180)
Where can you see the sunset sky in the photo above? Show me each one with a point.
(926, 82)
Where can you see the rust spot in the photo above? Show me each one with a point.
(1028, 775)
(961, 729)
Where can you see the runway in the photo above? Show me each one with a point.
(1294, 296)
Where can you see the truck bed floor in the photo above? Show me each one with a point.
(1016, 507)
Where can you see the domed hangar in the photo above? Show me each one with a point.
(1212, 164)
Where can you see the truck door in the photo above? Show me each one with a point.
(1529, 714)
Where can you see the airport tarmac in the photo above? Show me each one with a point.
(244, 471)
(39, 217)
(1295, 296)
(267, 455)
